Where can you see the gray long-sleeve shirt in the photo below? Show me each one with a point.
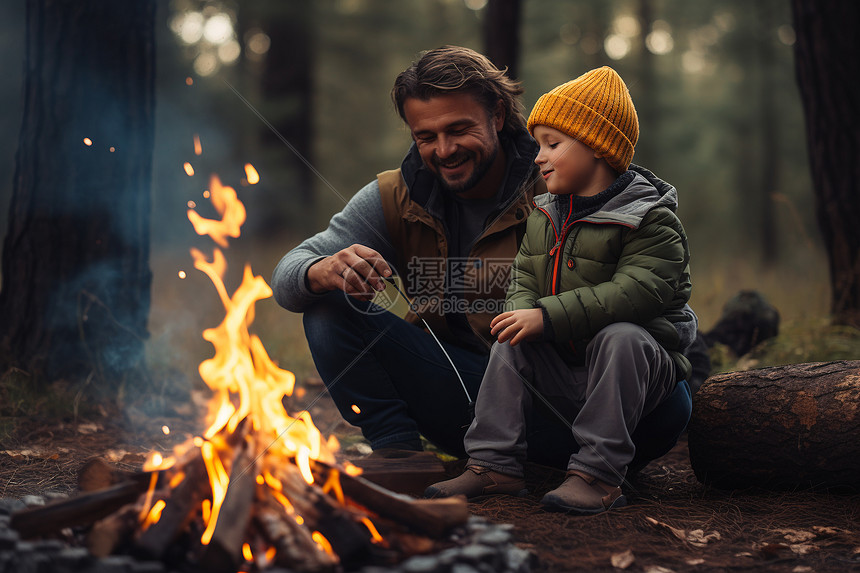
(360, 222)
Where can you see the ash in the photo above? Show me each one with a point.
(478, 546)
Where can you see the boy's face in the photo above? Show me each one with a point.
(567, 165)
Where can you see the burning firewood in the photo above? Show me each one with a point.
(260, 487)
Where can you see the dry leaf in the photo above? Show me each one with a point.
(698, 537)
(363, 448)
(623, 560)
(795, 535)
(802, 569)
(697, 561)
(88, 428)
(658, 569)
(827, 530)
(695, 537)
(115, 455)
(803, 548)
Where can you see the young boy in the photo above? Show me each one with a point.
(597, 317)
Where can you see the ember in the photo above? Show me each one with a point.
(251, 174)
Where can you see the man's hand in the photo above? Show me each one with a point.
(356, 270)
(518, 325)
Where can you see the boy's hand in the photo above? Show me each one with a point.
(518, 325)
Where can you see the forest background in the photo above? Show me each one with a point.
(713, 81)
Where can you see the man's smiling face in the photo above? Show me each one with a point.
(456, 138)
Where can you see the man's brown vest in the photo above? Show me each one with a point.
(422, 250)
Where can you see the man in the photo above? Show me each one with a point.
(448, 223)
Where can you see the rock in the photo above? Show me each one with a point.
(9, 506)
(495, 536)
(8, 540)
(479, 554)
(422, 564)
(747, 319)
(33, 500)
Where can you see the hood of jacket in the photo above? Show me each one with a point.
(644, 192)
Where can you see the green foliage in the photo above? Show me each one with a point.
(813, 340)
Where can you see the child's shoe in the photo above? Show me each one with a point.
(585, 494)
(478, 481)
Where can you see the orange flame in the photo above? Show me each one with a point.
(374, 533)
(247, 386)
(219, 480)
(232, 213)
(154, 514)
(322, 542)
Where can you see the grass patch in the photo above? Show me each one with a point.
(23, 400)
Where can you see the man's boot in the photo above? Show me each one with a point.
(584, 494)
(478, 481)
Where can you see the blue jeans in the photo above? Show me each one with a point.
(403, 386)
(393, 372)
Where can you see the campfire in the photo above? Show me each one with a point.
(260, 487)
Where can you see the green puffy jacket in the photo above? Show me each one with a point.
(628, 262)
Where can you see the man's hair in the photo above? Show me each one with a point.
(452, 69)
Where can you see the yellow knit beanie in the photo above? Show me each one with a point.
(597, 110)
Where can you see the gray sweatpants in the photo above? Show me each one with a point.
(626, 375)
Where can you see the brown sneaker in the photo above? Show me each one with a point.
(585, 494)
(478, 481)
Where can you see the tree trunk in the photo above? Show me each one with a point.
(502, 34)
(828, 74)
(645, 91)
(778, 427)
(287, 88)
(769, 124)
(76, 278)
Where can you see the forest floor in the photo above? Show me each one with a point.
(672, 522)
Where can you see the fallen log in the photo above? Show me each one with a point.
(781, 427)
(81, 510)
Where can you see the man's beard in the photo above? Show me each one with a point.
(478, 172)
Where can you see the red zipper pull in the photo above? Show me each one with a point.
(554, 249)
